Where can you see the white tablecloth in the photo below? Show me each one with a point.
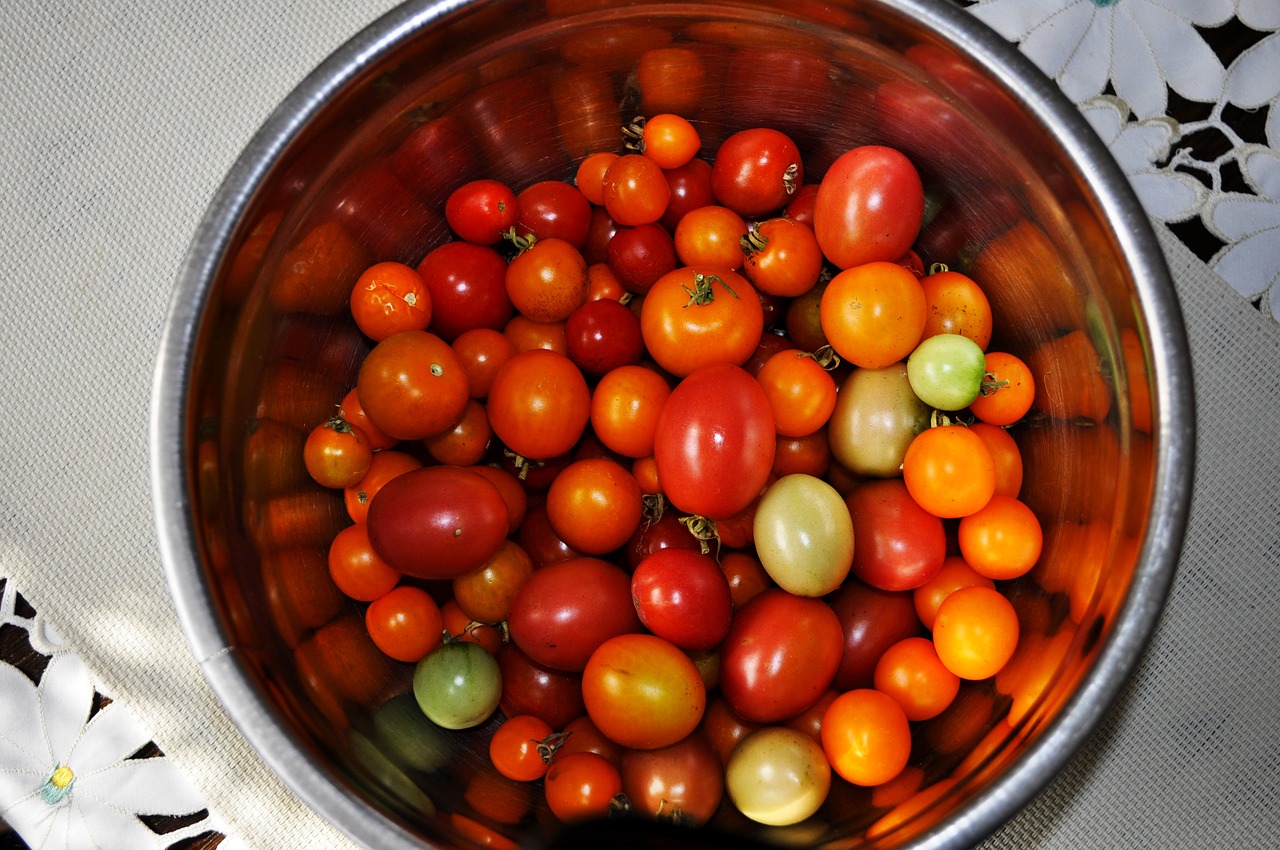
(120, 118)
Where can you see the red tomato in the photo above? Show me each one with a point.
(638, 256)
(468, 288)
(389, 298)
(780, 655)
(700, 315)
(481, 211)
(412, 385)
(532, 688)
(690, 187)
(356, 569)
(871, 621)
(642, 691)
(900, 545)
(563, 611)
(517, 746)
(405, 623)
(682, 783)
(756, 171)
(539, 404)
(548, 281)
(869, 207)
(635, 190)
(683, 596)
(654, 535)
(595, 505)
(337, 454)
(555, 209)
(581, 786)
(603, 335)
(437, 522)
(714, 442)
(625, 408)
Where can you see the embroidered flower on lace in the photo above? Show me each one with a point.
(1250, 225)
(1136, 45)
(67, 780)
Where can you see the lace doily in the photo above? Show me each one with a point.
(1186, 93)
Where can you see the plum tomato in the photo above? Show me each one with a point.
(714, 442)
(804, 536)
(900, 544)
(874, 421)
(642, 691)
(869, 207)
(780, 655)
(683, 596)
(563, 611)
(437, 522)
(871, 620)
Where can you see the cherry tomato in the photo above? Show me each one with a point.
(483, 351)
(710, 236)
(1002, 540)
(956, 305)
(594, 505)
(639, 255)
(517, 747)
(912, 674)
(458, 685)
(1006, 456)
(467, 442)
(412, 385)
(481, 211)
(486, 593)
(900, 544)
(869, 207)
(756, 171)
(669, 140)
(801, 392)
(388, 298)
(690, 188)
(1008, 390)
(337, 453)
(603, 335)
(780, 655)
(548, 281)
(871, 621)
(437, 522)
(635, 190)
(356, 568)
(946, 371)
(532, 688)
(539, 404)
(782, 257)
(698, 316)
(625, 407)
(525, 334)
(975, 632)
(866, 737)
(804, 536)
(468, 288)
(589, 177)
(873, 314)
(682, 596)
(642, 691)
(949, 471)
(352, 410)
(714, 442)
(581, 786)
(682, 783)
(405, 623)
(955, 574)
(554, 209)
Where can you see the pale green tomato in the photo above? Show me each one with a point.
(804, 535)
(875, 418)
(777, 776)
(946, 371)
(458, 685)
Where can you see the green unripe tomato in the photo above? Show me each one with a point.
(458, 685)
(946, 371)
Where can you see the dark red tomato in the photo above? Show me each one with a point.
(690, 189)
(640, 255)
(532, 688)
(540, 541)
(714, 442)
(437, 522)
(756, 171)
(555, 209)
(900, 544)
(681, 783)
(383, 215)
(683, 596)
(481, 211)
(871, 621)
(780, 655)
(666, 532)
(564, 611)
(602, 335)
(468, 285)
(599, 234)
(870, 206)
(800, 207)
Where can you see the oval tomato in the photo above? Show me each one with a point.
(900, 545)
(714, 442)
(643, 692)
(869, 207)
(683, 596)
(804, 536)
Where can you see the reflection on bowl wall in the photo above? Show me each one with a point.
(354, 168)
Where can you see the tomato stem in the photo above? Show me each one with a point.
(521, 463)
(753, 241)
(548, 746)
(633, 134)
(991, 383)
(704, 530)
(521, 243)
(652, 506)
(791, 178)
(825, 356)
(939, 268)
(702, 292)
(340, 426)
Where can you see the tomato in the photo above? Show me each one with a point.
(670, 79)
(955, 574)
(866, 737)
(1008, 390)
(412, 385)
(682, 596)
(512, 492)
(482, 351)
(810, 454)
(437, 522)
(871, 621)
(337, 453)
(777, 776)
(405, 623)
(900, 544)
(548, 281)
(486, 593)
(710, 236)
(911, 673)
(1002, 540)
(581, 786)
(681, 784)
(714, 442)
(956, 305)
(639, 255)
(949, 471)
(602, 335)
(539, 404)
(690, 188)
(352, 410)
(781, 653)
(804, 535)
(468, 288)
(594, 505)
(481, 211)
(525, 334)
(1006, 456)
(554, 209)
(635, 190)
(457, 685)
(869, 207)
(653, 535)
(388, 298)
(975, 632)
(518, 745)
(532, 688)
(625, 407)
(563, 611)
(756, 171)
(642, 691)
(698, 316)
(782, 257)
(669, 140)
(356, 568)
(801, 392)
(589, 176)
(873, 314)
(874, 421)
(946, 371)
(467, 442)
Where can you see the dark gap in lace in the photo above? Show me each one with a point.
(15, 649)
(1231, 39)
(165, 824)
(1196, 237)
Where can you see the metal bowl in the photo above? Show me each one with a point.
(354, 166)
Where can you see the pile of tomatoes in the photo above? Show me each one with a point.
(703, 444)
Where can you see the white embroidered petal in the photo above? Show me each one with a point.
(1252, 80)
(1258, 14)
(1106, 115)
(1252, 264)
(1053, 45)
(1146, 142)
(1232, 217)
(112, 827)
(22, 744)
(151, 786)
(1206, 13)
(1261, 170)
(1190, 66)
(112, 735)
(1091, 65)
(1273, 127)
(1013, 19)
(1168, 195)
(66, 695)
(1134, 71)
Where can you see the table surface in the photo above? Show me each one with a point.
(120, 118)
